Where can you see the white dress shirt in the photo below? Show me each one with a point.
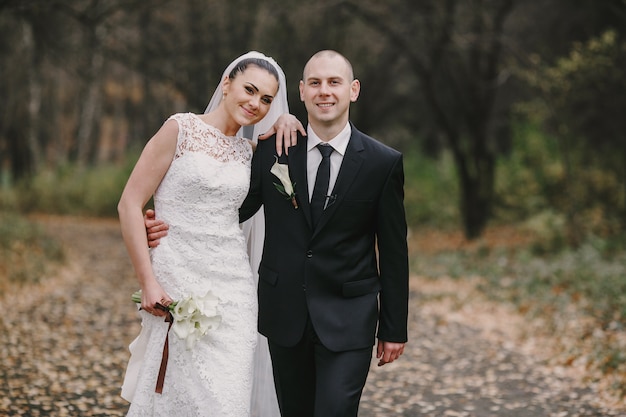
(314, 157)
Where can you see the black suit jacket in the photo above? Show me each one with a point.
(351, 272)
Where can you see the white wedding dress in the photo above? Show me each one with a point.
(205, 250)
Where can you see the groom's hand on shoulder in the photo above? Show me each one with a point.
(155, 229)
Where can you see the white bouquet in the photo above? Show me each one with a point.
(192, 317)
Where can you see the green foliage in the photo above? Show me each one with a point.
(25, 250)
(431, 191)
(8, 198)
(580, 101)
(75, 191)
(527, 176)
(586, 90)
(555, 191)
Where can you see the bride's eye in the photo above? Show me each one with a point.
(266, 100)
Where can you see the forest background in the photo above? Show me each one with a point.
(510, 113)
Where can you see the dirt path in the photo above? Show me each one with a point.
(64, 346)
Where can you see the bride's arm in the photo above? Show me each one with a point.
(286, 128)
(150, 169)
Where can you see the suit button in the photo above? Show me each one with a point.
(309, 254)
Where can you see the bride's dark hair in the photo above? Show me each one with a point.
(242, 65)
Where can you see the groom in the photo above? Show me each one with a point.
(334, 271)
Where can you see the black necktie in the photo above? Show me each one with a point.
(320, 190)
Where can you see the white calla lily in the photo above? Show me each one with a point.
(192, 316)
(286, 187)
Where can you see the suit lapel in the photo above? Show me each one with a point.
(350, 166)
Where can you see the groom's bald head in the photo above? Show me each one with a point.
(328, 53)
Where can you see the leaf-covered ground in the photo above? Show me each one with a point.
(64, 347)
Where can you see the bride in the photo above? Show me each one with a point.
(198, 169)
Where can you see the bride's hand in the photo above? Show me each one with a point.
(154, 300)
(286, 128)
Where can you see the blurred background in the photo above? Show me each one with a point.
(506, 110)
(511, 115)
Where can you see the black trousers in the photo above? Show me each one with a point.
(312, 381)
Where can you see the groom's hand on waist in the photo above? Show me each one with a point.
(155, 229)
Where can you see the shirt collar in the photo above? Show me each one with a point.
(339, 142)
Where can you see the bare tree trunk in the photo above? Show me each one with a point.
(34, 96)
(473, 84)
(92, 104)
(476, 171)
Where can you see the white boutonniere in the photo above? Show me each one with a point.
(286, 187)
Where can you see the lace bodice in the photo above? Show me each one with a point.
(209, 170)
(199, 198)
(197, 136)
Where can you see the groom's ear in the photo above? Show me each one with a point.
(355, 90)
